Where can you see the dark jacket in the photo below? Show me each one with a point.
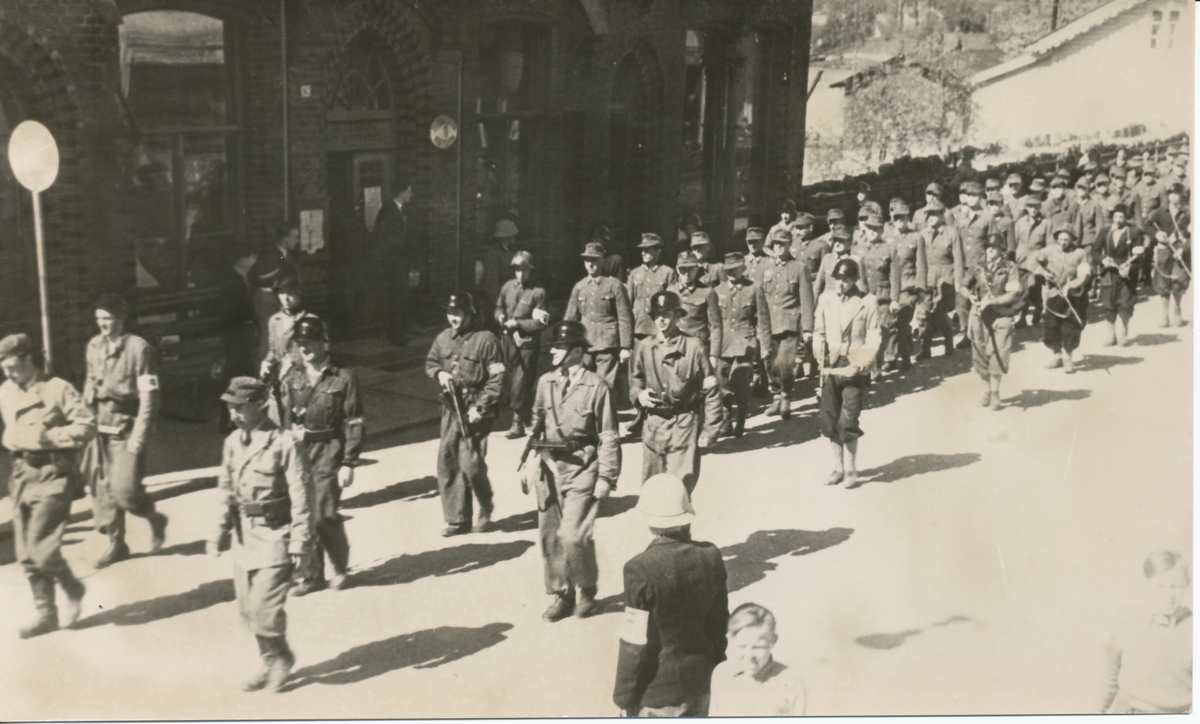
(271, 265)
(669, 658)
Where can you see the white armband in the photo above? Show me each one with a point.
(636, 626)
(496, 368)
(147, 383)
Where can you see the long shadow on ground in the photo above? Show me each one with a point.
(1103, 362)
(1153, 340)
(422, 650)
(911, 465)
(157, 609)
(442, 562)
(609, 507)
(886, 641)
(1036, 398)
(749, 562)
(418, 489)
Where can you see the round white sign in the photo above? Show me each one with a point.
(33, 155)
(443, 131)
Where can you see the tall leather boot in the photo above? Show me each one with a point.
(266, 651)
(42, 586)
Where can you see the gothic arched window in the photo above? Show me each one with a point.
(363, 83)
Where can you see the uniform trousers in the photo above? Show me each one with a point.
(606, 363)
(462, 469)
(962, 310)
(1062, 330)
(781, 369)
(737, 373)
(900, 342)
(939, 314)
(1117, 296)
(266, 304)
(697, 706)
(991, 344)
(261, 594)
(326, 459)
(119, 488)
(841, 404)
(1032, 295)
(671, 444)
(567, 518)
(41, 497)
(887, 332)
(522, 378)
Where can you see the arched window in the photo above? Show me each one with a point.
(362, 79)
(178, 76)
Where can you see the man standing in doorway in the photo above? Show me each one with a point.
(395, 232)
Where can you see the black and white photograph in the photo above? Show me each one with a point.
(495, 359)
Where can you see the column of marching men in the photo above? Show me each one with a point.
(794, 314)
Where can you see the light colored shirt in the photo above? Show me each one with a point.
(49, 405)
(776, 690)
(1149, 664)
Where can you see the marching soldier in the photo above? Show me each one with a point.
(521, 314)
(1061, 211)
(265, 496)
(933, 197)
(1118, 247)
(702, 309)
(1172, 252)
(466, 363)
(846, 341)
(944, 252)
(790, 306)
(644, 282)
(676, 384)
(714, 271)
(45, 424)
(757, 259)
(578, 464)
(879, 265)
(746, 337)
(996, 287)
(322, 409)
(1066, 271)
(910, 275)
(810, 254)
(122, 391)
(602, 304)
(973, 224)
(1032, 233)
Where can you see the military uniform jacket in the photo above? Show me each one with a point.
(1094, 218)
(586, 415)
(703, 318)
(1030, 237)
(714, 273)
(1175, 226)
(519, 302)
(879, 264)
(271, 466)
(1115, 244)
(846, 330)
(331, 408)
(644, 283)
(1001, 281)
(602, 304)
(1063, 214)
(676, 369)
(1064, 267)
(122, 386)
(1172, 224)
(944, 252)
(910, 270)
(50, 405)
(810, 257)
(676, 608)
(789, 297)
(747, 323)
(472, 357)
(756, 264)
(973, 229)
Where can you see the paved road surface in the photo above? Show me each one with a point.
(975, 572)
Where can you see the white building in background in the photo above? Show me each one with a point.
(1124, 70)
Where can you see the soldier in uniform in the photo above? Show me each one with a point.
(810, 253)
(264, 505)
(865, 212)
(702, 309)
(746, 337)
(466, 363)
(577, 465)
(973, 223)
(801, 232)
(1061, 211)
(495, 268)
(1066, 270)
(839, 248)
(273, 263)
(846, 340)
(45, 424)
(322, 409)
(996, 287)
(879, 265)
(1012, 195)
(676, 385)
(1117, 247)
(787, 214)
(835, 219)
(1170, 227)
(602, 304)
(1032, 233)
(644, 282)
(790, 306)
(910, 275)
(943, 250)
(521, 314)
(756, 257)
(933, 196)
(122, 391)
(714, 271)
(676, 608)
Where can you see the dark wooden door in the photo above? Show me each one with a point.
(359, 184)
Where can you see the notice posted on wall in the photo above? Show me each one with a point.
(312, 230)
(372, 202)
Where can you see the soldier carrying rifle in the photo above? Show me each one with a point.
(465, 361)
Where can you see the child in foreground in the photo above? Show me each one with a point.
(750, 682)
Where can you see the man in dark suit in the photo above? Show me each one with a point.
(676, 608)
(402, 259)
(275, 261)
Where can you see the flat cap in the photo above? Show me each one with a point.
(874, 220)
(901, 209)
(243, 390)
(1033, 202)
(834, 214)
(995, 197)
(1037, 184)
(1014, 178)
(803, 219)
(935, 207)
(991, 182)
(16, 344)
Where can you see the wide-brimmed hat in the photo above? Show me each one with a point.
(664, 502)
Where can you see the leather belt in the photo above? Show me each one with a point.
(263, 508)
(560, 445)
(320, 435)
(670, 410)
(39, 458)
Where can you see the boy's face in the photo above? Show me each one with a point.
(750, 649)
(521, 273)
(664, 322)
(1167, 591)
(290, 302)
(246, 415)
(455, 319)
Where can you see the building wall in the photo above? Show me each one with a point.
(1101, 82)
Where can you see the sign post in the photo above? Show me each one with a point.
(33, 155)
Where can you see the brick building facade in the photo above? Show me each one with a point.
(174, 127)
